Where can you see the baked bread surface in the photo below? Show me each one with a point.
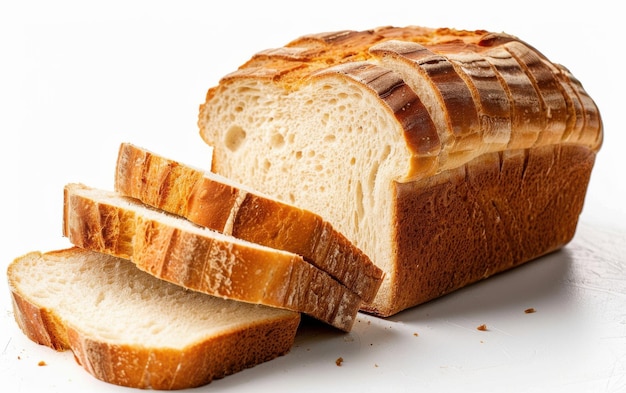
(364, 128)
(176, 250)
(128, 328)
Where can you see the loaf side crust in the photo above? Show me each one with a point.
(495, 213)
(209, 200)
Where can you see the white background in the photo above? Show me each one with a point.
(78, 78)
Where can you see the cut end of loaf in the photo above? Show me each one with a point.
(131, 329)
(314, 158)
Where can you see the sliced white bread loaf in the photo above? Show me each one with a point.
(210, 200)
(446, 156)
(176, 250)
(128, 328)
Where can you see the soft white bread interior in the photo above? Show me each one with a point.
(218, 203)
(128, 328)
(174, 249)
(446, 156)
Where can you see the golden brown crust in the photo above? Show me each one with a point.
(38, 324)
(452, 91)
(470, 223)
(173, 369)
(540, 110)
(207, 200)
(144, 367)
(205, 262)
(307, 54)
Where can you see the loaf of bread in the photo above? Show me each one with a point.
(215, 202)
(128, 328)
(173, 249)
(446, 156)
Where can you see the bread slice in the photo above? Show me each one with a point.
(176, 250)
(446, 156)
(128, 328)
(210, 200)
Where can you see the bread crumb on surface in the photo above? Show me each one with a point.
(415, 334)
(42, 363)
(482, 328)
(339, 361)
(529, 310)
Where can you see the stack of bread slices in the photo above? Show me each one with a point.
(181, 276)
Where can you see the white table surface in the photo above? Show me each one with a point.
(76, 80)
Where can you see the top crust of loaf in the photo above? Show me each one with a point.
(217, 203)
(534, 102)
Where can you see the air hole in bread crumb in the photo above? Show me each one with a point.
(330, 138)
(99, 299)
(298, 154)
(155, 330)
(371, 179)
(359, 201)
(352, 161)
(277, 140)
(234, 138)
(267, 165)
